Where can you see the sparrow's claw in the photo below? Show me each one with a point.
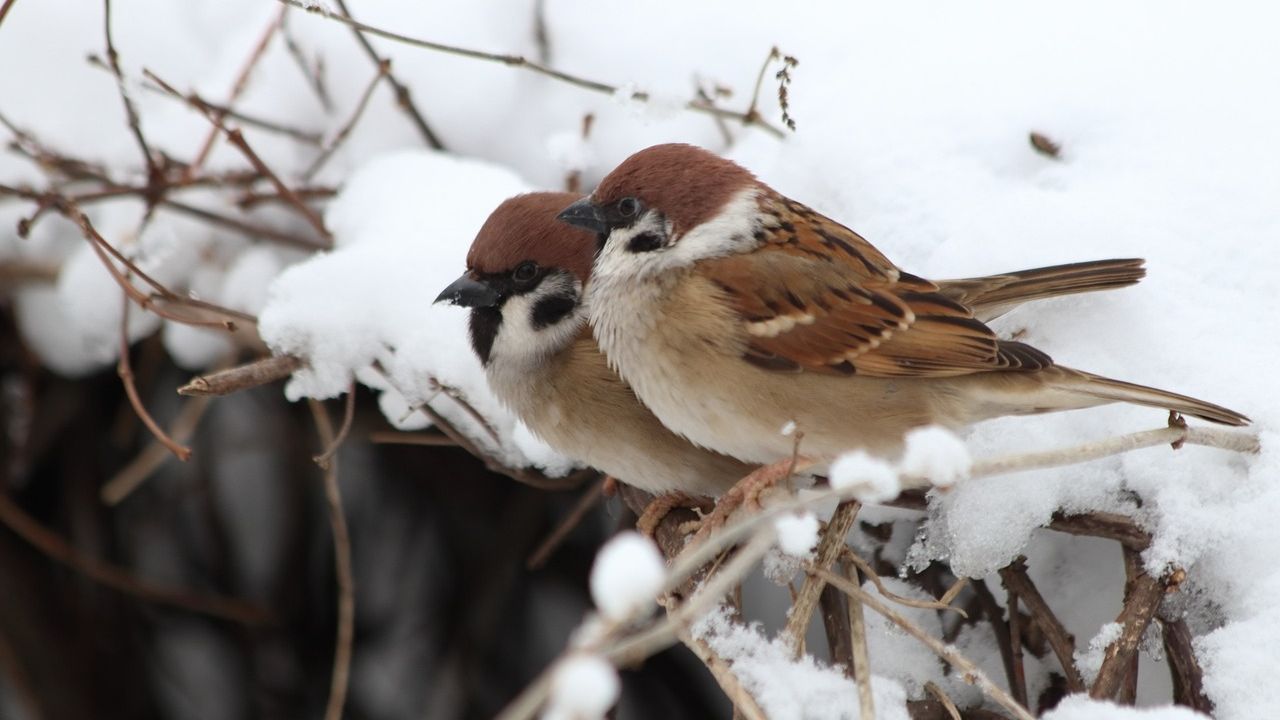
(662, 506)
(746, 492)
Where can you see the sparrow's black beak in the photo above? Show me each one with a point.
(585, 214)
(469, 292)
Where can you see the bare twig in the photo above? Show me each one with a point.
(932, 688)
(861, 658)
(580, 509)
(249, 229)
(1015, 578)
(125, 371)
(236, 138)
(154, 174)
(871, 574)
(242, 81)
(1141, 603)
(153, 456)
(1018, 688)
(342, 566)
(995, 618)
(829, 549)
(1043, 145)
(4, 9)
(1188, 677)
(521, 62)
(332, 146)
(403, 97)
(314, 76)
(383, 437)
(348, 414)
(1235, 441)
(244, 118)
(251, 375)
(118, 578)
(743, 703)
(969, 672)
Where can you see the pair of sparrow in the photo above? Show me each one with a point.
(667, 327)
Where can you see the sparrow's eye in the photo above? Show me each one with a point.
(525, 271)
(628, 207)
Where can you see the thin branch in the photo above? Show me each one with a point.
(383, 437)
(829, 549)
(131, 476)
(1015, 578)
(119, 579)
(1140, 608)
(1188, 677)
(521, 62)
(236, 138)
(970, 673)
(250, 375)
(1018, 687)
(252, 230)
(743, 702)
(315, 79)
(932, 688)
(194, 98)
(403, 97)
(154, 174)
(383, 68)
(348, 414)
(125, 371)
(242, 81)
(871, 574)
(580, 509)
(4, 9)
(342, 566)
(861, 657)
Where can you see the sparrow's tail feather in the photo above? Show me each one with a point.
(1109, 390)
(994, 295)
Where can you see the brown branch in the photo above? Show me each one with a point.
(195, 99)
(153, 456)
(861, 661)
(4, 9)
(948, 704)
(315, 79)
(580, 509)
(242, 81)
(871, 574)
(125, 371)
(236, 138)
(524, 63)
(403, 97)
(1015, 578)
(348, 414)
(969, 672)
(250, 375)
(249, 229)
(836, 623)
(383, 68)
(1018, 688)
(250, 198)
(383, 437)
(999, 628)
(1188, 677)
(1140, 605)
(154, 175)
(345, 632)
(119, 579)
(828, 551)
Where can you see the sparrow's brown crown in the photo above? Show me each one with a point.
(688, 184)
(524, 228)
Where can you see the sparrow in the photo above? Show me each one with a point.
(734, 311)
(528, 326)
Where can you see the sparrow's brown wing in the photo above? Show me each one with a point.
(993, 295)
(816, 296)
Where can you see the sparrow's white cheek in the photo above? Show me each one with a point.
(523, 338)
(729, 232)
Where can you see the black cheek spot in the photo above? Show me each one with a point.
(484, 330)
(644, 242)
(551, 310)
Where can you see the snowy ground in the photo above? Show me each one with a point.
(912, 128)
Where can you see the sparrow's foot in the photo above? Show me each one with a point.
(746, 492)
(662, 505)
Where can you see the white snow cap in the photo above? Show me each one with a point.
(1081, 707)
(627, 576)
(797, 534)
(936, 454)
(583, 687)
(871, 479)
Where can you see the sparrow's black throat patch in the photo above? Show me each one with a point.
(484, 325)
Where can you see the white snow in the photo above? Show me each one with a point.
(937, 455)
(583, 687)
(1080, 707)
(788, 689)
(912, 129)
(797, 534)
(627, 576)
(870, 479)
(1089, 660)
